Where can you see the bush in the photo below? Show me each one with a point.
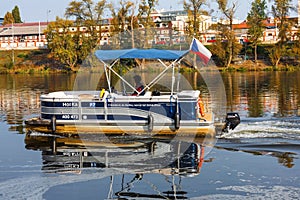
(22, 55)
(31, 71)
(37, 52)
(9, 65)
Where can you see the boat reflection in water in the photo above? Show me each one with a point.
(125, 154)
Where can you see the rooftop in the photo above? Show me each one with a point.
(23, 28)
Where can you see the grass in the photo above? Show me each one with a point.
(27, 62)
(39, 61)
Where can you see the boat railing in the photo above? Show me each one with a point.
(100, 97)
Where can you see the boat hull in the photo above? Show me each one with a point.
(88, 112)
(190, 129)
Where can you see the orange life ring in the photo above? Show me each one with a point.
(201, 107)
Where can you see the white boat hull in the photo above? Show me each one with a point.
(87, 112)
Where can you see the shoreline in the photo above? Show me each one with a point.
(40, 62)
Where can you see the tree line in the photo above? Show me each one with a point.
(284, 47)
(71, 47)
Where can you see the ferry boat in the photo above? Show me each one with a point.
(147, 111)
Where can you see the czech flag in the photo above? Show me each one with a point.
(198, 48)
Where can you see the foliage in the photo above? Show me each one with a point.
(22, 55)
(67, 41)
(123, 20)
(65, 46)
(226, 30)
(226, 47)
(220, 49)
(9, 65)
(8, 18)
(193, 8)
(255, 20)
(121, 16)
(16, 14)
(275, 55)
(280, 11)
(125, 24)
(296, 46)
(12, 17)
(88, 14)
(145, 9)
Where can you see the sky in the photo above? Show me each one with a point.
(47, 10)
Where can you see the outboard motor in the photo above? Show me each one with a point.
(231, 121)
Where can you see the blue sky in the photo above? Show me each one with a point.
(41, 10)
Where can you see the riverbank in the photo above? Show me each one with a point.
(28, 62)
(261, 65)
(40, 61)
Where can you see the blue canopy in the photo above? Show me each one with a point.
(140, 54)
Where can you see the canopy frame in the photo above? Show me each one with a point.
(175, 58)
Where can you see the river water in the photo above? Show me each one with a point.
(257, 160)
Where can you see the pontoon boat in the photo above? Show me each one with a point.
(109, 111)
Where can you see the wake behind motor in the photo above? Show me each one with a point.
(231, 121)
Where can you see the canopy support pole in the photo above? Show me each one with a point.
(110, 67)
(148, 86)
(154, 81)
(108, 76)
(178, 76)
(173, 79)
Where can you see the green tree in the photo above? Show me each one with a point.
(71, 41)
(280, 10)
(121, 15)
(226, 47)
(221, 48)
(123, 24)
(296, 46)
(134, 25)
(63, 43)
(228, 30)
(145, 9)
(88, 15)
(8, 18)
(193, 8)
(16, 14)
(255, 19)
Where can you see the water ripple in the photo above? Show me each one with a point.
(288, 128)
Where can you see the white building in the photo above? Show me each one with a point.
(23, 36)
(174, 23)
